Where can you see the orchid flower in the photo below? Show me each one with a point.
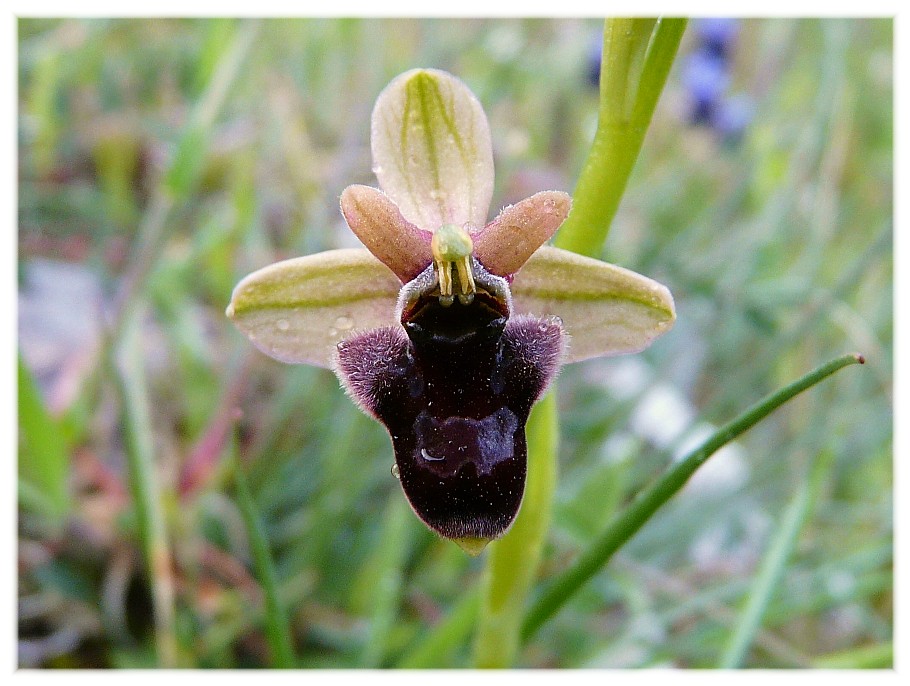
(448, 328)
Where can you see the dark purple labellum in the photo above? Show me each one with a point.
(454, 387)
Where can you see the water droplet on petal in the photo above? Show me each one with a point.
(344, 323)
(283, 324)
(395, 471)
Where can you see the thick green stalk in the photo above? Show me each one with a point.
(277, 628)
(628, 522)
(513, 559)
(774, 564)
(637, 56)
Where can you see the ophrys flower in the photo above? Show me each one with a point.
(448, 328)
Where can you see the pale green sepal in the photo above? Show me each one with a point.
(297, 310)
(432, 151)
(606, 310)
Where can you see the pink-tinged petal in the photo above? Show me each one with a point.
(298, 310)
(378, 223)
(432, 151)
(605, 309)
(507, 242)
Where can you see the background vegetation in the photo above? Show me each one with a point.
(162, 160)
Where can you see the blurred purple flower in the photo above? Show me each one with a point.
(593, 62)
(706, 79)
(717, 35)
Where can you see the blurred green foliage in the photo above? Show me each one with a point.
(776, 246)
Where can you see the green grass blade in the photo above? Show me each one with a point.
(877, 656)
(43, 454)
(774, 564)
(514, 559)
(628, 522)
(146, 491)
(182, 174)
(437, 647)
(277, 627)
(385, 572)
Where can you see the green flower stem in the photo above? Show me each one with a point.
(636, 59)
(628, 522)
(277, 628)
(143, 481)
(637, 56)
(513, 560)
(774, 563)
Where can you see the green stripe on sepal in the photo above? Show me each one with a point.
(297, 310)
(606, 310)
(432, 150)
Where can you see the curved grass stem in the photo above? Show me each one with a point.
(277, 627)
(774, 563)
(148, 498)
(628, 522)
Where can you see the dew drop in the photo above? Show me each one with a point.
(283, 324)
(395, 471)
(333, 332)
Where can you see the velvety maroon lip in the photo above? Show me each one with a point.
(454, 387)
